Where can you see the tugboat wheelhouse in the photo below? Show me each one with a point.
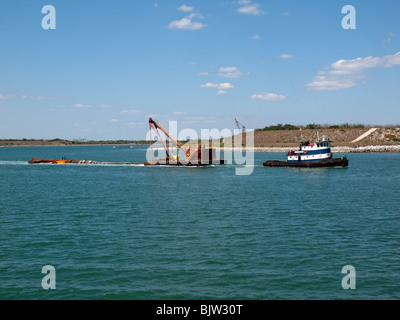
(320, 150)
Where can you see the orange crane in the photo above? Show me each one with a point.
(193, 155)
(155, 125)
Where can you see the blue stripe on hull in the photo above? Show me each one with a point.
(312, 152)
(312, 160)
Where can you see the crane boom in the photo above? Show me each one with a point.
(158, 125)
(240, 126)
(188, 152)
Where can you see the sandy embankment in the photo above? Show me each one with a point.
(364, 149)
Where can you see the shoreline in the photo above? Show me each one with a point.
(71, 145)
(341, 149)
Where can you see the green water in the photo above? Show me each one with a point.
(131, 232)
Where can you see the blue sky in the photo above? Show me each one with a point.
(109, 65)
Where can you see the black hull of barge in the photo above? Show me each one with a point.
(336, 162)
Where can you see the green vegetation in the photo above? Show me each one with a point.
(280, 127)
(313, 126)
(58, 141)
(80, 142)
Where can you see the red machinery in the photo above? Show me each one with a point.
(194, 155)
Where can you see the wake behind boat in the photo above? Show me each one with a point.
(309, 155)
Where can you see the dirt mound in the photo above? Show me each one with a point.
(339, 137)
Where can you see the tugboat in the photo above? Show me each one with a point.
(310, 156)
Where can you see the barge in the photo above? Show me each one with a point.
(160, 162)
(193, 156)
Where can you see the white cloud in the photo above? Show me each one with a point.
(250, 9)
(344, 74)
(185, 8)
(219, 86)
(7, 96)
(229, 72)
(195, 15)
(80, 106)
(186, 24)
(285, 56)
(329, 83)
(247, 7)
(130, 111)
(113, 120)
(222, 92)
(256, 37)
(25, 96)
(203, 74)
(268, 96)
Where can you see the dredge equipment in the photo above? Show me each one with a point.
(194, 155)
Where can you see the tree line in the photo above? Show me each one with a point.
(314, 126)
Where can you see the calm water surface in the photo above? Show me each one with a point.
(132, 232)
